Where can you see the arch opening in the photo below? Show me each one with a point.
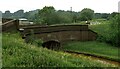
(51, 44)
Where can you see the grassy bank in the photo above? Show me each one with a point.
(16, 53)
(106, 33)
(99, 47)
(95, 48)
(103, 30)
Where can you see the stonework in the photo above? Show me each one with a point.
(61, 33)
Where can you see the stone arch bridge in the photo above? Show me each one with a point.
(56, 35)
(51, 35)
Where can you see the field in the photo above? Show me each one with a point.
(16, 53)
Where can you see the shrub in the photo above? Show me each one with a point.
(109, 31)
(115, 28)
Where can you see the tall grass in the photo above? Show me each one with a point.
(16, 53)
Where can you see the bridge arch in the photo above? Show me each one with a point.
(51, 44)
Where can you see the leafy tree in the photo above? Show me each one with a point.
(19, 14)
(7, 14)
(86, 14)
(31, 15)
(113, 14)
(65, 16)
(105, 15)
(46, 14)
(115, 28)
(97, 15)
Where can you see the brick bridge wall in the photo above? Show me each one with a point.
(51, 35)
(61, 33)
(9, 25)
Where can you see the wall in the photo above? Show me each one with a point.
(62, 33)
(9, 25)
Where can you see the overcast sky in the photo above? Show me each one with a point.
(102, 6)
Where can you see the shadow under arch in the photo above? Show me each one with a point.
(51, 44)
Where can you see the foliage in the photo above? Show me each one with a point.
(115, 27)
(113, 14)
(86, 14)
(33, 40)
(20, 14)
(48, 15)
(65, 16)
(101, 15)
(105, 15)
(31, 15)
(103, 31)
(108, 31)
(7, 14)
(16, 53)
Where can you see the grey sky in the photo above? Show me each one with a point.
(102, 6)
(119, 6)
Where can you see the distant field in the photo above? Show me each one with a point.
(93, 47)
(16, 53)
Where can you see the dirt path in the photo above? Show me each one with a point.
(97, 58)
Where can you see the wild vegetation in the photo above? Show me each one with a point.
(108, 31)
(16, 53)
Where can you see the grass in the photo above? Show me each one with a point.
(95, 48)
(16, 53)
(0, 50)
(104, 31)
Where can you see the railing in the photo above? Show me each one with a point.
(41, 29)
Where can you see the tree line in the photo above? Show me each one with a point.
(48, 15)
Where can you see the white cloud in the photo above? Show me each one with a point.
(77, 5)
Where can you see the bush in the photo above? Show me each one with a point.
(31, 39)
(109, 31)
(115, 28)
(37, 42)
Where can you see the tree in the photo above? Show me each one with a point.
(64, 16)
(97, 15)
(105, 15)
(32, 15)
(113, 14)
(86, 14)
(19, 14)
(47, 15)
(7, 14)
(115, 28)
